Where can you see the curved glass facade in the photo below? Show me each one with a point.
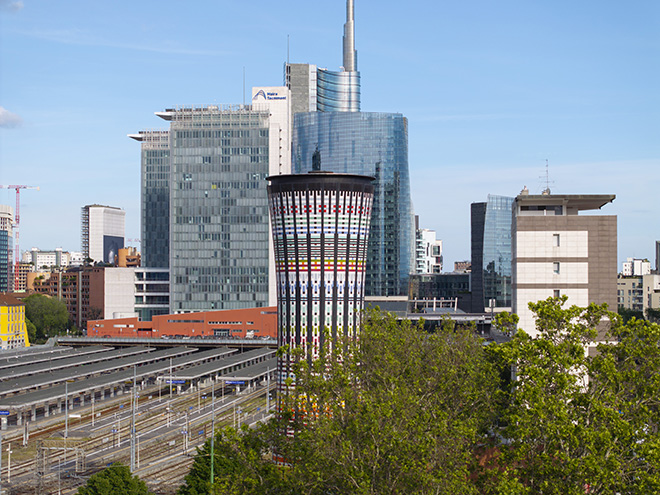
(491, 255)
(373, 144)
(337, 91)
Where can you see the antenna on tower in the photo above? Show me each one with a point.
(546, 191)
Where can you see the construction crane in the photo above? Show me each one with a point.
(17, 219)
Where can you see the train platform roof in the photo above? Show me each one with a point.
(47, 354)
(88, 370)
(78, 359)
(205, 369)
(252, 372)
(160, 367)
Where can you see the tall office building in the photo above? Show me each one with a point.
(320, 224)
(204, 186)
(491, 253)
(155, 197)
(558, 252)
(6, 248)
(376, 145)
(102, 232)
(354, 142)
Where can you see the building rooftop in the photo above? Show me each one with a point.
(7, 300)
(574, 201)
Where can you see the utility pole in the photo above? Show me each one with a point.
(66, 409)
(133, 423)
(212, 429)
(268, 391)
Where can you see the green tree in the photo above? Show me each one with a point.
(31, 330)
(628, 314)
(49, 315)
(580, 419)
(242, 464)
(114, 480)
(399, 411)
(653, 314)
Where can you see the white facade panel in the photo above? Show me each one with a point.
(544, 273)
(543, 244)
(577, 297)
(119, 291)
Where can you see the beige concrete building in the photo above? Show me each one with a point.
(558, 252)
(639, 293)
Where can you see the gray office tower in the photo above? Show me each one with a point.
(491, 253)
(327, 117)
(155, 198)
(205, 201)
(218, 207)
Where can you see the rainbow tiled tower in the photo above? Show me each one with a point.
(320, 224)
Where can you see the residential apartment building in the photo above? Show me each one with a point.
(13, 331)
(638, 292)
(90, 292)
(636, 267)
(428, 250)
(45, 260)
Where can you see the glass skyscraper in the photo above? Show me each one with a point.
(491, 253)
(372, 144)
(219, 238)
(155, 201)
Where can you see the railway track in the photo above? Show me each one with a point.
(167, 432)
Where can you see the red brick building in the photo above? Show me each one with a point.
(253, 323)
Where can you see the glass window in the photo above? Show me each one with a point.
(555, 266)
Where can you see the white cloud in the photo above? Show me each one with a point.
(11, 5)
(9, 119)
(84, 37)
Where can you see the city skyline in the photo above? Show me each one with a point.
(490, 91)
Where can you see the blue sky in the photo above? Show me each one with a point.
(491, 90)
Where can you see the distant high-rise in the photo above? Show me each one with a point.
(491, 253)
(6, 248)
(102, 232)
(320, 223)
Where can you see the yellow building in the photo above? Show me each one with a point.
(13, 331)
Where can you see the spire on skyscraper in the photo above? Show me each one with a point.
(350, 54)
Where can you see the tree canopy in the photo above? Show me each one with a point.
(581, 416)
(48, 315)
(405, 411)
(114, 480)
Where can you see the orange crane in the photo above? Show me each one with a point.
(17, 219)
